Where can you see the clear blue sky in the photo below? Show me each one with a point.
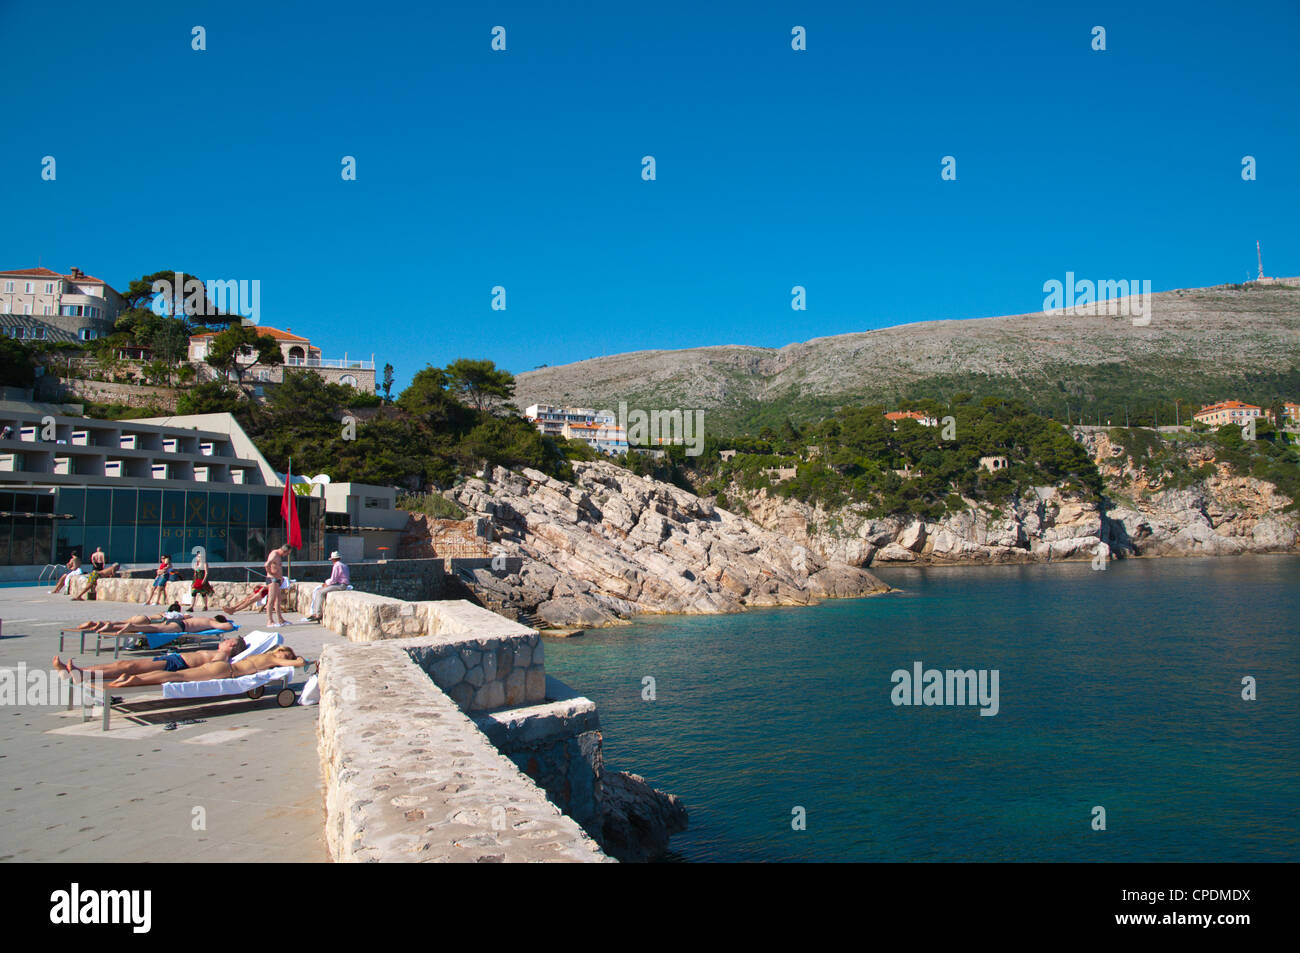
(522, 169)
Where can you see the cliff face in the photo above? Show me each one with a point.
(614, 545)
(1224, 514)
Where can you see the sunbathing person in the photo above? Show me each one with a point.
(255, 599)
(194, 623)
(173, 614)
(171, 662)
(283, 655)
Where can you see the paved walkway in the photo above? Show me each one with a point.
(244, 785)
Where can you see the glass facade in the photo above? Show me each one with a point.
(141, 525)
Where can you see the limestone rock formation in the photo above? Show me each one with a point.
(1225, 514)
(636, 818)
(613, 545)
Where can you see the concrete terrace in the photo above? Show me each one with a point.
(71, 792)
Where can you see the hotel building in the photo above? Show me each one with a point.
(140, 489)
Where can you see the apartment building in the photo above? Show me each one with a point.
(598, 429)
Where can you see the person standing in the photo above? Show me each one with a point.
(339, 578)
(161, 576)
(98, 560)
(201, 586)
(275, 586)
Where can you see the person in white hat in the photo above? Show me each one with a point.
(339, 578)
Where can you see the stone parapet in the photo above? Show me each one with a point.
(408, 777)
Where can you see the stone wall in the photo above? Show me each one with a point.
(407, 777)
(107, 392)
(558, 744)
(481, 660)
(411, 579)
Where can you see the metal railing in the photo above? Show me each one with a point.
(345, 364)
(48, 566)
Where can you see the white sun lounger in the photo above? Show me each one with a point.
(254, 685)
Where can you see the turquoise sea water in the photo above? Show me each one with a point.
(1119, 689)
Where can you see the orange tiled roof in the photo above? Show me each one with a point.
(900, 414)
(1227, 405)
(32, 273)
(46, 273)
(265, 331)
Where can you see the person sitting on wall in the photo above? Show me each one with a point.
(257, 598)
(74, 569)
(95, 576)
(162, 576)
(339, 578)
(170, 662)
(283, 655)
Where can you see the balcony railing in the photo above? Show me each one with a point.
(345, 364)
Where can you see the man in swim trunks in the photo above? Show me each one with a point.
(171, 662)
(254, 663)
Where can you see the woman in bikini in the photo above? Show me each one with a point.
(277, 657)
(173, 614)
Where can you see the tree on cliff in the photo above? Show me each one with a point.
(480, 382)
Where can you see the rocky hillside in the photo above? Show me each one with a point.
(1144, 513)
(1197, 340)
(613, 545)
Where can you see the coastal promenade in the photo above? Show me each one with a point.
(241, 785)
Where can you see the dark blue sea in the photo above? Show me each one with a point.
(1119, 689)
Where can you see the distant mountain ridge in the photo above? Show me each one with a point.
(1201, 344)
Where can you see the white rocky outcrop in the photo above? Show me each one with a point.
(612, 545)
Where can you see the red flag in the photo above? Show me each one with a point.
(289, 510)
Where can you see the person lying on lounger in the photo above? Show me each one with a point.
(283, 655)
(171, 662)
(194, 623)
(173, 614)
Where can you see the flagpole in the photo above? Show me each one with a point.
(288, 476)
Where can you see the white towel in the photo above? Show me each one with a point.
(213, 687)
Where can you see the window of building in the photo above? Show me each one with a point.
(46, 310)
(29, 287)
(37, 334)
(9, 286)
(49, 287)
(349, 380)
(88, 334)
(27, 309)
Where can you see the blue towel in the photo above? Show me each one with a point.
(156, 639)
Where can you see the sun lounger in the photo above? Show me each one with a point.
(155, 640)
(254, 686)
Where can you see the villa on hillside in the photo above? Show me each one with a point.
(38, 304)
(920, 418)
(298, 353)
(1227, 412)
